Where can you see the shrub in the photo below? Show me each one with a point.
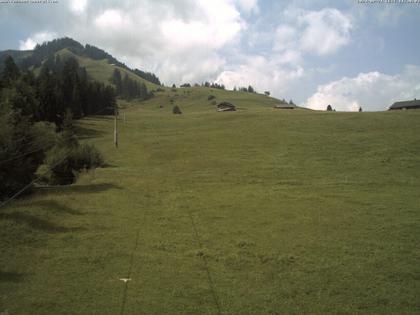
(160, 90)
(57, 169)
(62, 164)
(22, 150)
(176, 110)
(214, 102)
(86, 156)
(211, 97)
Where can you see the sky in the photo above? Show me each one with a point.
(350, 54)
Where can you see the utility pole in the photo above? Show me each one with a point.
(115, 126)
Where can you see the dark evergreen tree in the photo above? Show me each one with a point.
(10, 72)
(176, 110)
(148, 76)
(70, 87)
(116, 79)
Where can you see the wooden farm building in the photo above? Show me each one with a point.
(285, 106)
(226, 107)
(414, 104)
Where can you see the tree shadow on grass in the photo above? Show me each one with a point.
(102, 117)
(79, 189)
(86, 133)
(107, 165)
(36, 223)
(92, 188)
(10, 276)
(54, 206)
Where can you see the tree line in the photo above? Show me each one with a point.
(48, 49)
(128, 88)
(215, 85)
(36, 122)
(64, 85)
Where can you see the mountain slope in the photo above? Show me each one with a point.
(100, 66)
(196, 99)
(101, 70)
(96, 60)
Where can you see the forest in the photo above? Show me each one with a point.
(36, 128)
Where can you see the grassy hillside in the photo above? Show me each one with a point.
(260, 211)
(101, 70)
(196, 99)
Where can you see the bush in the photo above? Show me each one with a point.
(22, 150)
(57, 169)
(176, 110)
(62, 164)
(214, 102)
(211, 97)
(86, 156)
(160, 90)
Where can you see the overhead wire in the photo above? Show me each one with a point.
(17, 194)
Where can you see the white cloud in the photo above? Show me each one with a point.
(320, 32)
(372, 91)
(179, 41)
(190, 40)
(285, 37)
(325, 31)
(290, 57)
(37, 38)
(263, 74)
(248, 6)
(110, 20)
(78, 6)
(301, 33)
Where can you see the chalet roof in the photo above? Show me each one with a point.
(285, 105)
(403, 104)
(225, 105)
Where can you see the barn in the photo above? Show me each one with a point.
(226, 107)
(414, 104)
(285, 106)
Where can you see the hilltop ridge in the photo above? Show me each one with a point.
(101, 65)
(33, 59)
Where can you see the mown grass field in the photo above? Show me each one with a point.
(285, 211)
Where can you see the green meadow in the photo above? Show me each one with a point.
(258, 211)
